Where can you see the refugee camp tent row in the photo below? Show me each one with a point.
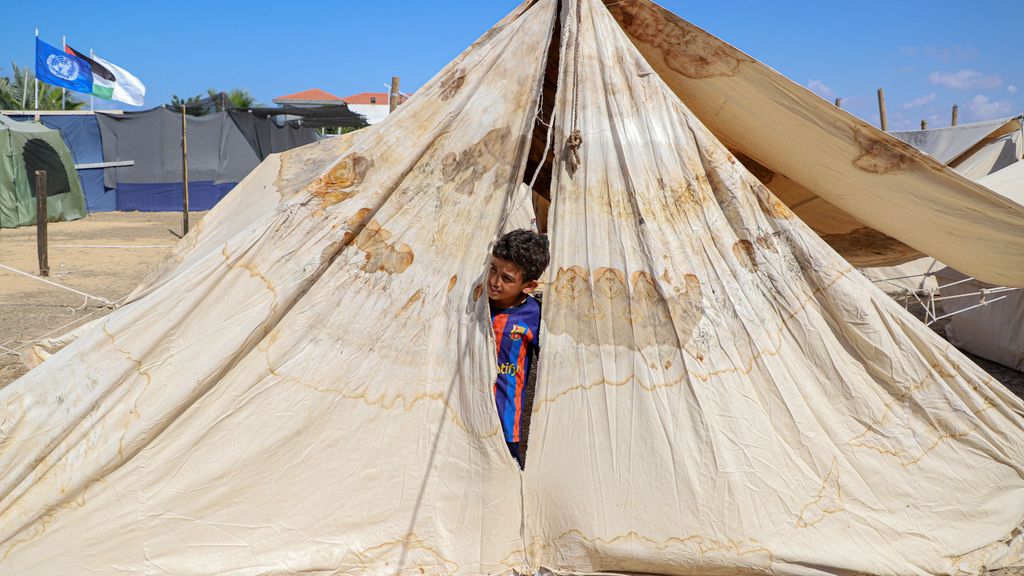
(26, 147)
(305, 387)
(223, 148)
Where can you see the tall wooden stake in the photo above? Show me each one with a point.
(881, 110)
(839, 102)
(393, 96)
(956, 114)
(924, 124)
(42, 250)
(184, 174)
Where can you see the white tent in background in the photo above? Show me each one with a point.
(984, 319)
(306, 387)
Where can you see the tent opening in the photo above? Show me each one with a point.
(542, 152)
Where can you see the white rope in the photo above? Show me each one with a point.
(113, 245)
(25, 343)
(55, 284)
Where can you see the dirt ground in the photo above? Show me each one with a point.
(104, 255)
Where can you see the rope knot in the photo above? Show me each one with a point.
(573, 145)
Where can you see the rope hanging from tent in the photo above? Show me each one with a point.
(575, 136)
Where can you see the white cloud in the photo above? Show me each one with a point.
(1011, 89)
(965, 79)
(918, 102)
(984, 109)
(820, 88)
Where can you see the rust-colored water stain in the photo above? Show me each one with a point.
(453, 282)
(869, 247)
(452, 83)
(338, 183)
(684, 48)
(382, 255)
(357, 220)
(769, 203)
(743, 250)
(878, 156)
(766, 242)
(416, 297)
(609, 307)
(478, 291)
(464, 170)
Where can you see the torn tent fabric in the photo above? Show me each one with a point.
(306, 387)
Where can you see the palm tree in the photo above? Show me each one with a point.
(18, 92)
(234, 98)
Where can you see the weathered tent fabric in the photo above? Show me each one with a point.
(81, 133)
(306, 386)
(946, 144)
(992, 156)
(222, 149)
(994, 330)
(24, 148)
(851, 183)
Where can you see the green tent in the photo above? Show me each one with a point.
(24, 148)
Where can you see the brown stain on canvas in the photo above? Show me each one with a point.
(478, 291)
(684, 48)
(416, 297)
(464, 170)
(878, 155)
(451, 283)
(452, 83)
(743, 250)
(339, 182)
(607, 306)
(869, 247)
(769, 203)
(381, 254)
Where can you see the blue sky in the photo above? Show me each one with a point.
(927, 55)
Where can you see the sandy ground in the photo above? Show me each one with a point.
(104, 255)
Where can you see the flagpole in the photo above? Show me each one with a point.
(37, 80)
(91, 109)
(63, 91)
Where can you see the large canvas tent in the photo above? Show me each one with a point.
(305, 388)
(26, 147)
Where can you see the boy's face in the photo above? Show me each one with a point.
(505, 286)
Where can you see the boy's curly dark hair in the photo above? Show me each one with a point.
(527, 249)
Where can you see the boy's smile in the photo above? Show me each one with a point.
(505, 285)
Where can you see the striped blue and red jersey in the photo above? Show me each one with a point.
(516, 335)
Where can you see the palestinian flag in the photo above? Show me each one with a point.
(103, 80)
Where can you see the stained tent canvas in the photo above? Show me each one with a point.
(306, 387)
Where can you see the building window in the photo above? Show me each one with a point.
(373, 99)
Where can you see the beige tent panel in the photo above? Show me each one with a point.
(949, 144)
(871, 176)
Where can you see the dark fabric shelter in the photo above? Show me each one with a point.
(221, 152)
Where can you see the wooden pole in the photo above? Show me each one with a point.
(42, 250)
(184, 174)
(956, 114)
(924, 124)
(393, 95)
(839, 102)
(881, 110)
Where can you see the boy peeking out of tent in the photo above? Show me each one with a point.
(517, 261)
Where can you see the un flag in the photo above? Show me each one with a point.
(59, 68)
